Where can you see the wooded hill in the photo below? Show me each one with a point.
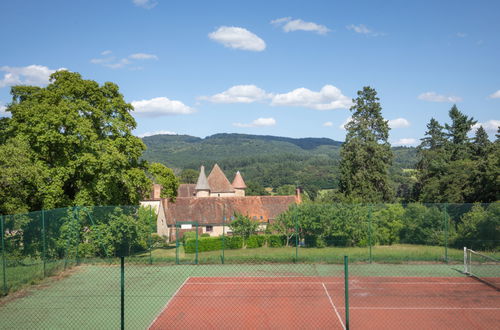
(268, 161)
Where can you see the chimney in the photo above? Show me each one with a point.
(156, 191)
(298, 198)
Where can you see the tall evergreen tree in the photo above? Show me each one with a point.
(366, 154)
(459, 142)
(481, 143)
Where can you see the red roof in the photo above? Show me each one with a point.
(238, 182)
(211, 210)
(218, 181)
(186, 190)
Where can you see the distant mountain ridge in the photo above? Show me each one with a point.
(270, 161)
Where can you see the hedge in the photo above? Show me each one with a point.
(213, 244)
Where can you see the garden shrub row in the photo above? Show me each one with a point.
(232, 242)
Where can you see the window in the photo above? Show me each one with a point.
(209, 229)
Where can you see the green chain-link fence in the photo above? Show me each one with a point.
(61, 269)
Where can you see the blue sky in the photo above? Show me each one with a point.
(287, 68)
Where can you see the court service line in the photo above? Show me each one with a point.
(333, 305)
(168, 302)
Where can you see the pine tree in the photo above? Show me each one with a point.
(481, 143)
(459, 142)
(434, 138)
(366, 154)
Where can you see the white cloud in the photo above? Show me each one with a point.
(346, 121)
(495, 95)
(37, 75)
(143, 56)
(406, 142)
(160, 106)
(156, 133)
(398, 123)
(148, 4)
(118, 65)
(259, 122)
(490, 126)
(106, 52)
(239, 94)
(237, 37)
(3, 111)
(363, 29)
(290, 24)
(461, 34)
(328, 98)
(435, 97)
(328, 124)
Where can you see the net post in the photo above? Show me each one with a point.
(465, 260)
(4, 265)
(370, 230)
(150, 234)
(346, 290)
(122, 292)
(44, 252)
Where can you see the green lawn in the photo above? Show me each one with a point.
(398, 253)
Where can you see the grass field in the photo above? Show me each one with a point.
(88, 296)
(388, 254)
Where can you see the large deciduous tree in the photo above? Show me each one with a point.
(366, 153)
(78, 135)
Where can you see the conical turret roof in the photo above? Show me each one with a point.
(218, 181)
(202, 183)
(238, 182)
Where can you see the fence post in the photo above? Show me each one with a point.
(370, 230)
(346, 290)
(122, 293)
(296, 237)
(4, 265)
(176, 243)
(196, 258)
(77, 220)
(446, 232)
(223, 236)
(44, 252)
(150, 234)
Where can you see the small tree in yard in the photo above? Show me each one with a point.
(243, 226)
(285, 224)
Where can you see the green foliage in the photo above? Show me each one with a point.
(189, 175)
(388, 224)
(275, 241)
(454, 169)
(286, 190)
(423, 225)
(255, 241)
(78, 135)
(166, 178)
(233, 242)
(480, 228)
(366, 154)
(243, 226)
(255, 189)
(204, 244)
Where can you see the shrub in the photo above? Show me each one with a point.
(255, 241)
(233, 242)
(205, 235)
(204, 244)
(275, 241)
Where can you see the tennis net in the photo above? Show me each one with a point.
(482, 267)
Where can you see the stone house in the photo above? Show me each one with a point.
(211, 204)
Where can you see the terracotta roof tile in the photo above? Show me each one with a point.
(238, 182)
(210, 210)
(218, 181)
(186, 190)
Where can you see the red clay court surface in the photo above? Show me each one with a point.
(318, 303)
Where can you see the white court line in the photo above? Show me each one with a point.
(425, 308)
(168, 302)
(333, 305)
(241, 283)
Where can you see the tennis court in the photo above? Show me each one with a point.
(318, 302)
